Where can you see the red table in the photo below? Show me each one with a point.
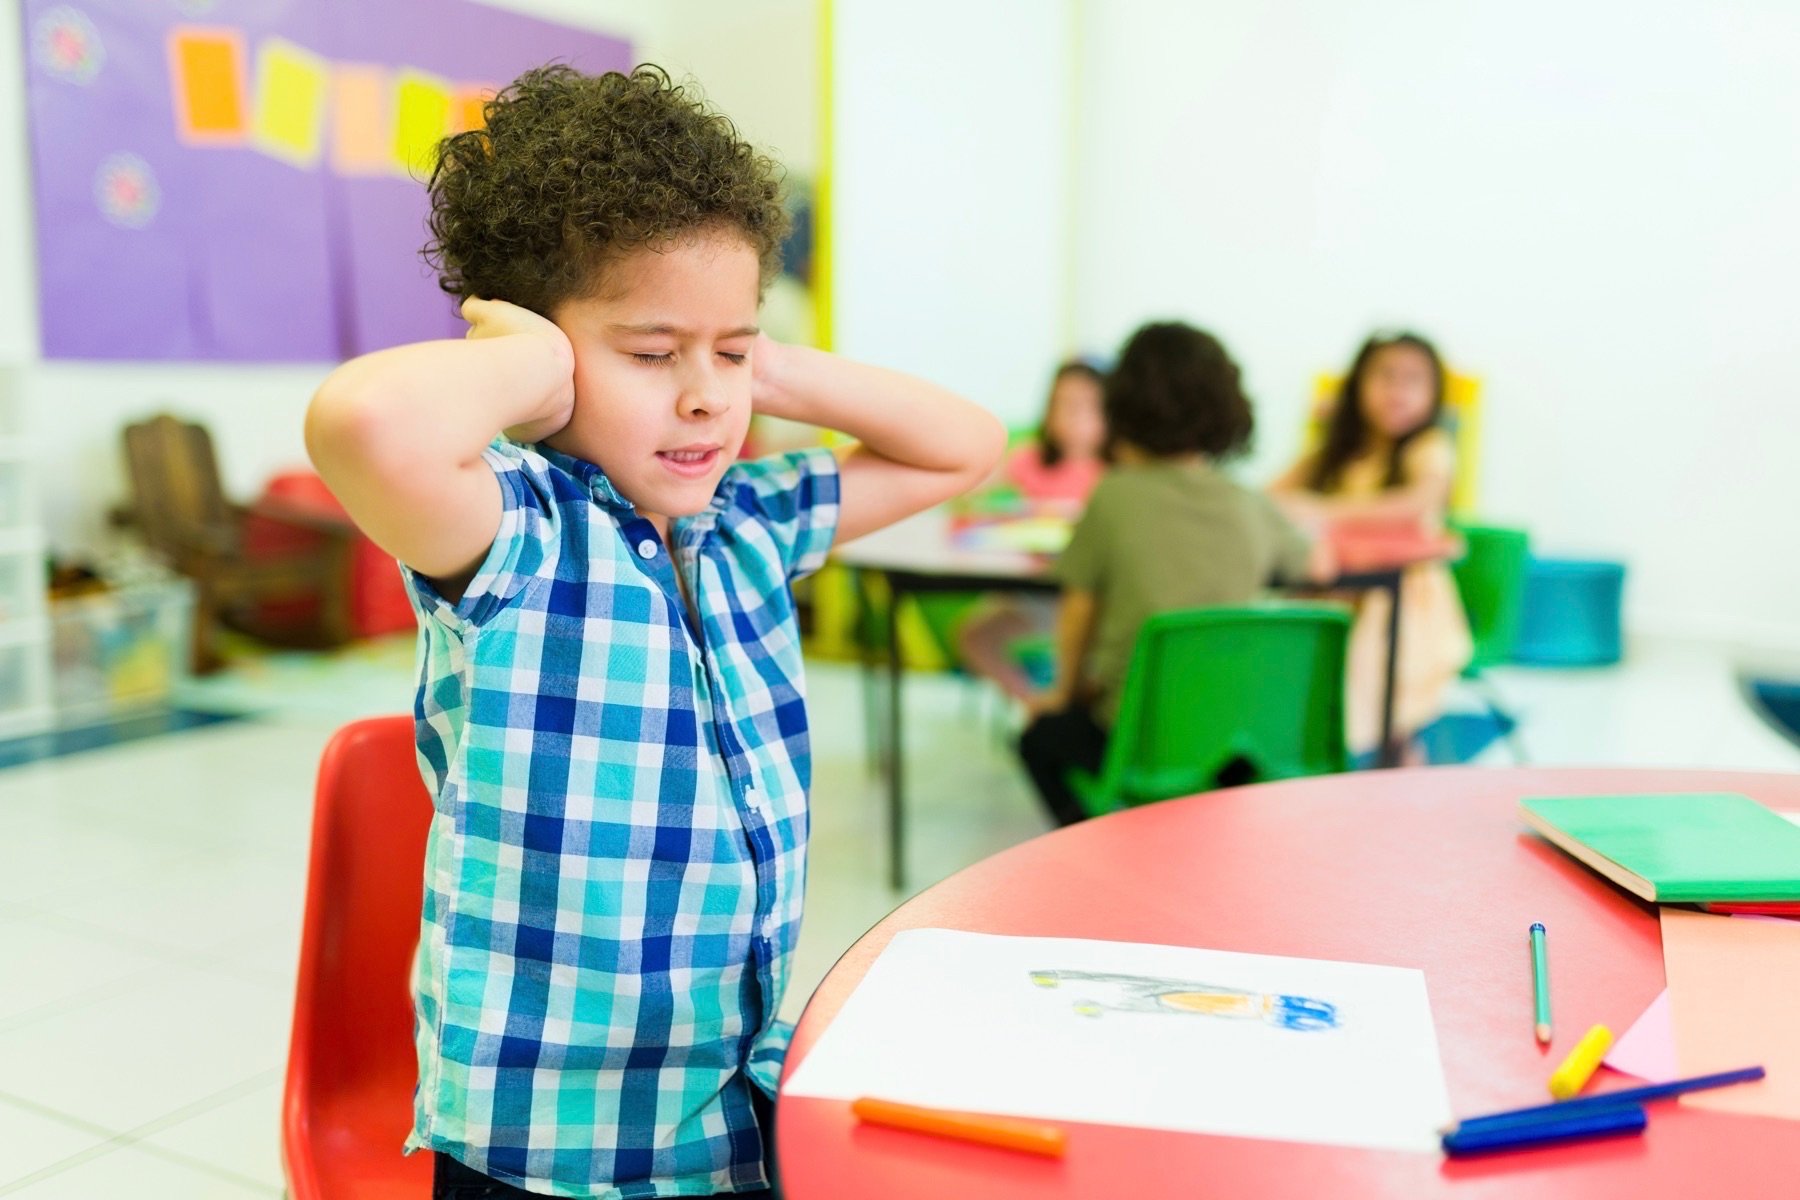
(1419, 868)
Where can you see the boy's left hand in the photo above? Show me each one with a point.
(768, 396)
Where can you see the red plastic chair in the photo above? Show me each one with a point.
(347, 1106)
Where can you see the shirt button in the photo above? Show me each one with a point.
(768, 927)
(646, 549)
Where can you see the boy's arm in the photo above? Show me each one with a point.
(1424, 496)
(919, 444)
(398, 434)
(1423, 501)
(1076, 617)
(1294, 478)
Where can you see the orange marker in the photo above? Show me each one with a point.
(1011, 1133)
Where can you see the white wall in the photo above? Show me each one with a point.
(74, 410)
(758, 62)
(950, 192)
(1594, 206)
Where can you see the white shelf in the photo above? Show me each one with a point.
(25, 630)
(23, 722)
(30, 629)
(21, 539)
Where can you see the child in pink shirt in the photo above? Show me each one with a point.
(1054, 473)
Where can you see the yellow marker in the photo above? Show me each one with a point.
(1582, 1062)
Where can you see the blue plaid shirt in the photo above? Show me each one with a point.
(615, 867)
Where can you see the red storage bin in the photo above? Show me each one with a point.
(378, 602)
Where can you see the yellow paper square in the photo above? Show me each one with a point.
(422, 109)
(290, 102)
(362, 120)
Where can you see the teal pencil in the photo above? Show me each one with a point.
(1540, 979)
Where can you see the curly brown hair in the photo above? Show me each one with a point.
(572, 171)
(1176, 391)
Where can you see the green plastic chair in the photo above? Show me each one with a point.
(1256, 690)
(1490, 577)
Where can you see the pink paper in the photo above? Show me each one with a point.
(1732, 985)
(1648, 1048)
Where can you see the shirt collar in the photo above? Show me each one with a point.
(591, 477)
(607, 496)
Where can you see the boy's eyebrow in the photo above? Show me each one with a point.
(654, 328)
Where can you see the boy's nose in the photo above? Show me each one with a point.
(702, 394)
(701, 403)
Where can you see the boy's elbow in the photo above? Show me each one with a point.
(329, 421)
(343, 427)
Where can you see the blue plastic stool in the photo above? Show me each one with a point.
(1572, 614)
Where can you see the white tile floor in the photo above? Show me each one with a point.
(150, 897)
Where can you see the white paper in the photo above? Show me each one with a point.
(1202, 1041)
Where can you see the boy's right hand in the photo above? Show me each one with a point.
(498, 318)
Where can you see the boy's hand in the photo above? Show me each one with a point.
(767, 393)
(497, 318)
(1309, 513)
(1322, 561)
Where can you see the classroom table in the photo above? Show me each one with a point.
(921, 555)
(1428, 868)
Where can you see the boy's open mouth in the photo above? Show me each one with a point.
(690, 462)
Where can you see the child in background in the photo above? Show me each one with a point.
(1166, 529)
(1058, 468)
(1387, 460)
(611, 715)
(1054, 473)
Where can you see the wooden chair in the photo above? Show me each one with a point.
(181, 510)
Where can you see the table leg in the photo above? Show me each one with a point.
(874, 723)
(896, 748)
(1390, 751)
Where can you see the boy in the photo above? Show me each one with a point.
(610, 710)
(1165, 530)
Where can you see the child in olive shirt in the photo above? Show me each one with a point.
(1165, 530)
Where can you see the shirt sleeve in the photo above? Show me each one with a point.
(795, 495)
(1082, 563)
(1292, 549)
(525, 549)
(1431, 455)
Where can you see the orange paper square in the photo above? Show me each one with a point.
(1732, 983)
(470, 102)
(206, 74)
(362, 114)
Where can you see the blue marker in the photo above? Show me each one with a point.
(1617, 1121)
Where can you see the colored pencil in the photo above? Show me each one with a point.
(1621, 1098)
(1540, 981)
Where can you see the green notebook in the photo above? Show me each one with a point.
(1696, 848)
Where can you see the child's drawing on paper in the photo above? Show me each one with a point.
(1096, 992)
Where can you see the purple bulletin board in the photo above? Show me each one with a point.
(239, 180)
